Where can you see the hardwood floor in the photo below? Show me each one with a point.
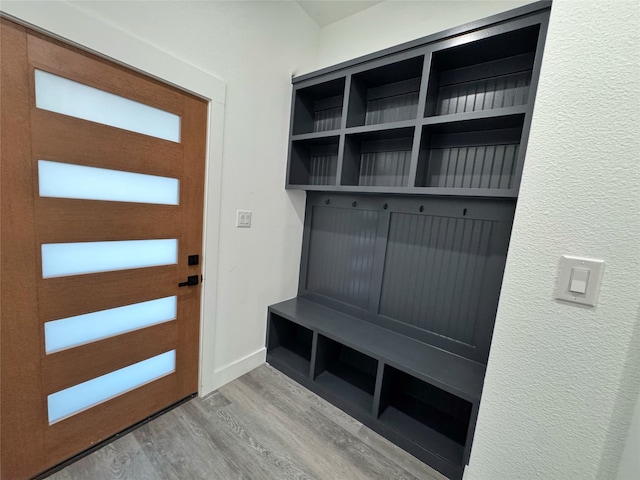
(261, 426)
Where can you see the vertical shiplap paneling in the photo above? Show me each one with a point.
(434, 272)
(327, 119)
(497, 92)
(322, 169)
(341, 252)
(384, 168)
(392, 109)
(489, 166)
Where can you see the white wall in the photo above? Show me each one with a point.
(396, 21)
(561, 380)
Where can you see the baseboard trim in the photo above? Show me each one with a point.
(230, 372)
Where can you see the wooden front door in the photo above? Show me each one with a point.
(102, 178)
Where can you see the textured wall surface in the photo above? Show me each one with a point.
(630, 462)
(561, 379)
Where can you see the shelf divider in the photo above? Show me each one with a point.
(315, 135)
(480, 115)
(381, 127)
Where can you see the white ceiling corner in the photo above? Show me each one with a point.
(324, 12)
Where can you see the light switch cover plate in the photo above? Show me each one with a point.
(565, 276)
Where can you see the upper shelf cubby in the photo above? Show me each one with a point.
(314, 161)
(486, 74)
(475, 154)
(446, 115)
(319, 108)
(385, 94)
(378, 158)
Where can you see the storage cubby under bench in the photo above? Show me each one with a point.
(411, 158)
(419, 396)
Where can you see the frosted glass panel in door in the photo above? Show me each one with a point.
(90, 327)
(88, 394)
(66, 180)
(62, 259)
(61, 95)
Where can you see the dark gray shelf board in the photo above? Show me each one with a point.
(497, 118)
(423, 191)
(346, 391)
(452, 373)
(315, 135)
(283, 355)
(381, 127)
(526, 10)
(421, 434)
(315, 188)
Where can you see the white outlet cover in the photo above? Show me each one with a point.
(243, 219)
(563, 288)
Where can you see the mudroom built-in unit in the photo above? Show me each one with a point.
(411, 158)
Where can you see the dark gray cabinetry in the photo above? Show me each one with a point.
(412, 159)
(397, 299)
(420, 397)
(427, 117)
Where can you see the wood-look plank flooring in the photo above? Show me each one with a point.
(261, 426)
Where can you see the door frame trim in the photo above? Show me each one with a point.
(87, 32)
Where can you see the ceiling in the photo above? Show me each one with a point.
(325, 12)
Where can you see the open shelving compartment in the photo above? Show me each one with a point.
(314, 161)
(424, 414)
(289, 344)
(486, 74)
(378, 158)
(346, 373)
(385, 94)
(318, 108)
(419, 396)
(475, 154)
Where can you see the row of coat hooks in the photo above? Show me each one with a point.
(386, 206)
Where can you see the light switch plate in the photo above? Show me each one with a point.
(243, 219)
(572, 268)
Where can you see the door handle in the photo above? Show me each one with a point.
(191, 280)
